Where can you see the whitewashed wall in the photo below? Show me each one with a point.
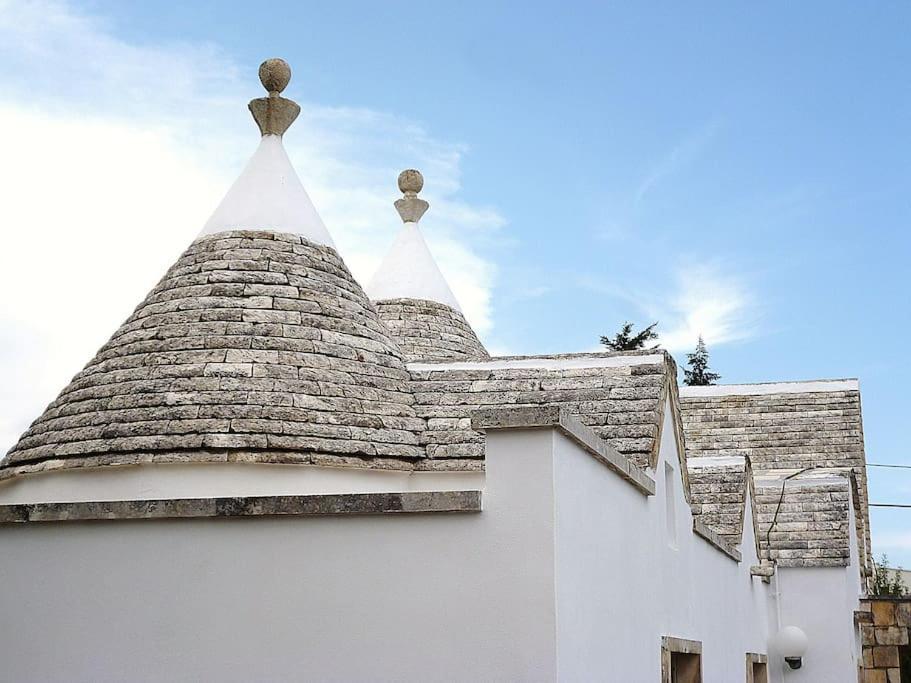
(568, 574)
(821, 601)
(398, 597)
(623, 582)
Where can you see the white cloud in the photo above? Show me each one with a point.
(113, 156)
(705, 301)
(701, 299)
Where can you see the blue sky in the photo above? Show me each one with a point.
(734, 169)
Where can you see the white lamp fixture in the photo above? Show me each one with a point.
(792, 644)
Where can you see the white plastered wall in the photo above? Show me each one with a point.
(207, 480)
(623, 582)
(821, 602)
(568, 574)
(390, 597)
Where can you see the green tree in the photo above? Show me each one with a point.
(887, 581)
(698, 374)
(625, 340)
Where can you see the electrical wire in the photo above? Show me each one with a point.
(889, 505)
(768, 534)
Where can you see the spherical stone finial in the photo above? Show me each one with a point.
(410, 207)
(275, 74)
(411, 181)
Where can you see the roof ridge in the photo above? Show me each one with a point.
(782, 387)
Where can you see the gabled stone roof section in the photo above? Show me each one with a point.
(777, 425)
(718, 489)
(813, 524)
(620, 396)
(781, 425)
(255, 346)
(429, 331)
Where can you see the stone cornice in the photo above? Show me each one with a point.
(557, 418)
(249, 506)
(714, 539)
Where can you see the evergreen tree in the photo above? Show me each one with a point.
(883, 583)
(699, 374)
(625, 340)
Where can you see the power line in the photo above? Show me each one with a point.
(899, 467)
(888, 505)
(784, 483)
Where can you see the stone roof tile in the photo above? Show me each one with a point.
(784, 426)
(429, 331)
(622, 403)
(812, 528)
(717, 497)
(252, 340)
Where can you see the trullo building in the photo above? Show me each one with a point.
(267, 474)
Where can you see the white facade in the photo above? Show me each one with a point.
(569, 573)
(821, 602)
(625, 578)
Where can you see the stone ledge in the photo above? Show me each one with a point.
(764, 571)
(716, 540)
(862, 617)
(554, 417)
(207, 456)
(681, 645)
(250, 506)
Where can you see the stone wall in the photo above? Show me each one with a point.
(885, 626)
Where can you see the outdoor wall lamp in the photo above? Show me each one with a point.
(792, 644)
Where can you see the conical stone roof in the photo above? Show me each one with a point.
(257, 345)
(257, 341)
(429, 331)
(412, 296)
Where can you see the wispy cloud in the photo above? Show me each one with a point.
(114, 155)
(682, 154)
(699, 299)
(706, 301)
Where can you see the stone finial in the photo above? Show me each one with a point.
(411, 182)
(274, 114)
(410, 207)
(274, 74)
